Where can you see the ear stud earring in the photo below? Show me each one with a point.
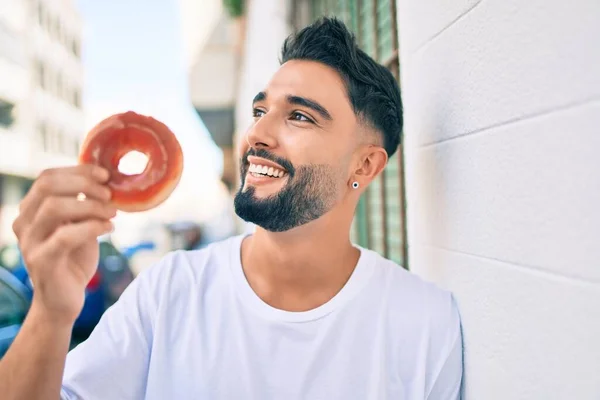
(355, 185)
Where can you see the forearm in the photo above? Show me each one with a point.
(33, 366)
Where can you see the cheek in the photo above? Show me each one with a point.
(303, 146)
(242, 146)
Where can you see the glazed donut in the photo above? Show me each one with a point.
(120, 134)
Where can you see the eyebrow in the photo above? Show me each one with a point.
(259, 97)
(301, 101)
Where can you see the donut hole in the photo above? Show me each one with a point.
(133, 163)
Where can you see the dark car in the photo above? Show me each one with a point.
(104, 289)
(15, 299)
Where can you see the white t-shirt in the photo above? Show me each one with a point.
(191, 327)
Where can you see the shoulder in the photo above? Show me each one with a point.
(184, 269)
(411, 299)
(424, 320)
(404, 285)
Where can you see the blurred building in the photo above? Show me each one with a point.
(211, 43)
(41, 76)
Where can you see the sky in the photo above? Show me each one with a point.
(133, 60)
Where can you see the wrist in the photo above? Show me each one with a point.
(57, 321)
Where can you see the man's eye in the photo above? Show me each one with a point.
(300, 117)
(256, 113)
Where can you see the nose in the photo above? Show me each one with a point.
(262, 133)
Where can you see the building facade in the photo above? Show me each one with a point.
(211, 43)
(41, 79)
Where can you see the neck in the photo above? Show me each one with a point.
(301, 268)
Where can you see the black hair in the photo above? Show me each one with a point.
(372, 89)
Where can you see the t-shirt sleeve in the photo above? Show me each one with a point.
(447, 376)
(113, 362)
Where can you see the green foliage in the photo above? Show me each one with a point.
(235, 8)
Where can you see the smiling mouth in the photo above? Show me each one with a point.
(259, 171)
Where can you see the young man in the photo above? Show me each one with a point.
(293, 311)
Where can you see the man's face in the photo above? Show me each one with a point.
(295, 161)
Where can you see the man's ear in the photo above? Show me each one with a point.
(372, 160)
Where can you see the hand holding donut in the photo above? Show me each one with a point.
(58, 233)
(57, 229)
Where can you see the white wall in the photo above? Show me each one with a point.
(502, 108)
(198, 20)
(211, 77)
(266, 29)
(209, 38)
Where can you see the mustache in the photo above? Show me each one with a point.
(267, 155)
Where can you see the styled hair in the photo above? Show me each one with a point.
(372, 89)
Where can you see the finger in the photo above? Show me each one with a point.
(68, 238)
(64, 182)
(56, 211)
(95, 172)
(71, 236)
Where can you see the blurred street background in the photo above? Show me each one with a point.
(195, 65)
(494, 193)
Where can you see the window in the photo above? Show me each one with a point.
(59, 86)
(76, 147)
(77, 98)
(59, 144)
(40, 74)
(43, 135)
(6, 114)
(68, 144)
(55, 28)
(75, 48)
(58, 30)
(380, 222)
(41, 14)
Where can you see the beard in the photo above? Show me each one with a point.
(309, 193)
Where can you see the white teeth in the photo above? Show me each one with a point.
(264, 170)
